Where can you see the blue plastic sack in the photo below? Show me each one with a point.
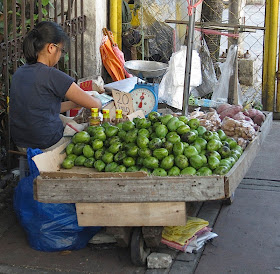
(49, 227)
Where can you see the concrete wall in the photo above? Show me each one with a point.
(249, 2)
(255, 2)
(96, 14)
(96, 19)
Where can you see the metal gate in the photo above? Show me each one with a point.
(17, 17)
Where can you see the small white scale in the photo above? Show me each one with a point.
(145, 94)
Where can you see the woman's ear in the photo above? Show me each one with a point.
(51, 48)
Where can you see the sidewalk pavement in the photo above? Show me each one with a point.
(248, 234)
(249, 237)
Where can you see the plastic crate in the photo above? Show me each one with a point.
(23, 167)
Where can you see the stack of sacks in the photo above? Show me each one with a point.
(187, 238)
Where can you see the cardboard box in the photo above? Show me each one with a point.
(88, 84)
(92, 83)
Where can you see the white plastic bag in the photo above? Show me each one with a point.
(70, 126)
(171, 88)
(209, 78)
(220, 94)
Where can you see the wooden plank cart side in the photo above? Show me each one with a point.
(238, 171)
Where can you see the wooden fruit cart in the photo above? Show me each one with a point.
(135, 199)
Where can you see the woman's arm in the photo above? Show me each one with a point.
(65, 106)
(81, 98)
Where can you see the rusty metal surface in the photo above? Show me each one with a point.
(18, 18)
(65, 13)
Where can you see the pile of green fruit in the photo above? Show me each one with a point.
(159, 145)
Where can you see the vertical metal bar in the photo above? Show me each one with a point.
(265, 55)
(114, 18)
(186, 93)
(5, 63)
(70, 35)
(6, 77)
(82, 39)
(9, 45)
(69, 10)
(23, 28)
(76, 32)
(1, 55)
(118, 39)
(5, 18)
(270, 55)
(142, 32)
(62, 12)
(47, 7)
(61, 22)
(31, 14)
(14, 42)
(278, 80)
(55, 17)
(55, 10)
(14, 19)
(233, 80)
(40, 10)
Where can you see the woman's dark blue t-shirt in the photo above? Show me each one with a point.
(35, 100)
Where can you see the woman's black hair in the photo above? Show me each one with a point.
(44, 32)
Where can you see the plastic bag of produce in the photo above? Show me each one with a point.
(49, 227)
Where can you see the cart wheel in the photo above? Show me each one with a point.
(229, 201)
(138, 250)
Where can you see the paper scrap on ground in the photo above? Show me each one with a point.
(199, 242)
